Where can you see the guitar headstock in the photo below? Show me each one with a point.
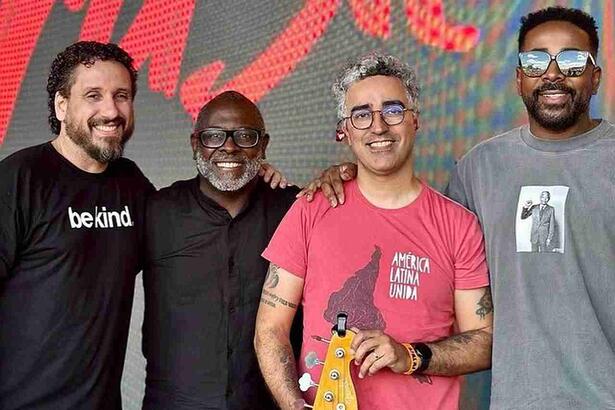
(335, 389)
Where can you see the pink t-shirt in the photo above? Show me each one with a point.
(389, 269)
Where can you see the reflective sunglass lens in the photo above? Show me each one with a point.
(572, 63)
(534, 63)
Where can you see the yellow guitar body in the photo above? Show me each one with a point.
(335, 388)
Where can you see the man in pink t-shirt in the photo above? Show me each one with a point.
(406, 264)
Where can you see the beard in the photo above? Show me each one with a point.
(106, 151)
(557, 117)
(227, 183)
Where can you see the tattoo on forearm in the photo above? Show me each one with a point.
(272, 300)
(485, 304)
(272, 279)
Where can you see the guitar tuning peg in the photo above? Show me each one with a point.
(320, 339)
(311, 360)
(306, 382)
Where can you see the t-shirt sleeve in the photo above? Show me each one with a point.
(455, 188)
(470, 261)
(8, 236)
(289, 244)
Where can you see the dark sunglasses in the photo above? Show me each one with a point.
(216, 137)
(571, 63)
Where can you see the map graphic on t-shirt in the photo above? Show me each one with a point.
(356, 297)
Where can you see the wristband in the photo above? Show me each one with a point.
(414, 358)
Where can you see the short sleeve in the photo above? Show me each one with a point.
(470, 261)
(455, 188)
(288, 247)
(8, 236)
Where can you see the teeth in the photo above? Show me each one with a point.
(228, 164)
(106, 128)
(380, 144)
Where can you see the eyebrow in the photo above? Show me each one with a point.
(384, 104)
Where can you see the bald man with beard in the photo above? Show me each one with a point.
(204, 273)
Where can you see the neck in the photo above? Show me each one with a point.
(392, 191)
(76, 155)
(232, 201)
(584, 124)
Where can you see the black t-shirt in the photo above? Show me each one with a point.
(69, 253)
(203, 279)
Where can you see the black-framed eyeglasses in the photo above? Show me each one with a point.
(392, 114)
(216, 137)
(571, 63)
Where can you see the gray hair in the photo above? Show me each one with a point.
(373, 64)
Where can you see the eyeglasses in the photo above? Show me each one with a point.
(392, 114)
(216, 137)
(571, 63)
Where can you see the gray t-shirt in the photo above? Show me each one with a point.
(547, 209)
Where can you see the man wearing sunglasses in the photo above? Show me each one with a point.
(554, 338)
(204, 273)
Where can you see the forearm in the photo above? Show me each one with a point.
(275, 357)
(462, 353)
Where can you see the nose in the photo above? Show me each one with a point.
(229, 145)
(553, 73)
(109, 108)
(378, 124)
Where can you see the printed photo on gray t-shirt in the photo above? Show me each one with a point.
(540, 223)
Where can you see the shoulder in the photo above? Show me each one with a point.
(280, 198)
(126, 170)
(492, 146)
(29, 157)
(172, 193)
(447, 205)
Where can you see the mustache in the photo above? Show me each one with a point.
(554, 87)
(105, 121)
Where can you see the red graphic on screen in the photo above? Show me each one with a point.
(373, 17)
(270, 67)
(356, 298)
(159, 35)
(100, 19)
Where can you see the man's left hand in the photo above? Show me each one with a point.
(272, 176)
(374, 350)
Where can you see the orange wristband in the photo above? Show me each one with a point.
(415, 361)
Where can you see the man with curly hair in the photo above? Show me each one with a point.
(405, 263)
(70, 240)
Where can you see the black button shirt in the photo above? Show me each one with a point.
(203, 281)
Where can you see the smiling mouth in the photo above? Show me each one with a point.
(229, 164)
(106, 127)
(380, 144)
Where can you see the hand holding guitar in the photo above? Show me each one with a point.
(374, 350)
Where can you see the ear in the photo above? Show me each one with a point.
(194, 143)
(60, 104)
(346, 133)
(263, 143)
(417, 123)
(519, 77)
(596, 76)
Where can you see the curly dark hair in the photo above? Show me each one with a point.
(575, 16)
(87, 53)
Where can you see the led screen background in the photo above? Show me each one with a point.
(284, 55)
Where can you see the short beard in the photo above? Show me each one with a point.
(102, 154)
(567, 114)
(208, 170)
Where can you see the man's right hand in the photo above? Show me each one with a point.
(528, 204)
(331, 182)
